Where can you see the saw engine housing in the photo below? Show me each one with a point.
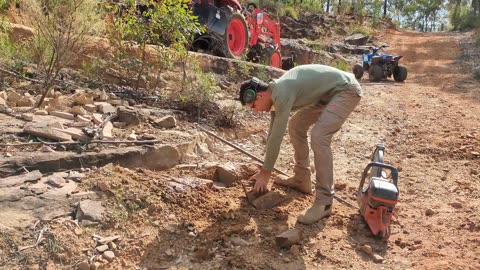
(378, 199)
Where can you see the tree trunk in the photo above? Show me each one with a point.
(385, 8)
(455, 14)
(328, 6)
(476, 7)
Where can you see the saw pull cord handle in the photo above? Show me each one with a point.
(379, 165)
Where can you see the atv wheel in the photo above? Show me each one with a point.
(236, 36)
(400, 73)
(375, 73)
(271, 57)
(366, 66)
(358, 71)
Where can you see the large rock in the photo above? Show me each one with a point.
(166, 122)
(268, 200)
(109, 255)
(162, 157)
(13, 97)
(25, 102)
(128, 115)
(3, 95)
(20, 179)
(3, 102)
(42, 130)
(227, 174)
(83, 99)
(78, 110)
(105, 107)
(288, 238)
(356, 39)
(348, 49)
(63, 115)
(107, 131)
(154, 158)
(76, 134)
(89, 211)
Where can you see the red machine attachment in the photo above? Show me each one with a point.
(235, 31)
(264, 42)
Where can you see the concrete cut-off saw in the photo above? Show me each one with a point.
(378, 198)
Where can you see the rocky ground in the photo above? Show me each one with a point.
(175, 201)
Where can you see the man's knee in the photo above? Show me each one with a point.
(296, 128)
(319, 141)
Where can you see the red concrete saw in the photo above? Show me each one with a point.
(377, 200)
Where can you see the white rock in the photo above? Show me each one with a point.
(109, 255)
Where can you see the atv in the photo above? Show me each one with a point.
(380, 66)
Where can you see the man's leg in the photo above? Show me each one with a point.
(330, 121)
(297, 129)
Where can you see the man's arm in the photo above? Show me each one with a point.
(272, 118)
(276, 133)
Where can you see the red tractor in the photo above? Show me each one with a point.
(235, 31)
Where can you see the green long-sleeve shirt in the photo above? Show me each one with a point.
(299, 87)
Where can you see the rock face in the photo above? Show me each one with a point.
(302, 53)
(89, 211)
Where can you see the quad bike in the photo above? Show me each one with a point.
(235, 31)
(380, 66)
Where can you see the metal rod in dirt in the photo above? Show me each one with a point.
(238, 148)
(345, 202)
(257, 159)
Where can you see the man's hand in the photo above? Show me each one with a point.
(261, 181)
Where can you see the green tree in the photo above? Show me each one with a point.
(169, 24)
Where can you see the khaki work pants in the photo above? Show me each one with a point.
(326, 120)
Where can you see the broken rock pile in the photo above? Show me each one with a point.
(83, 116)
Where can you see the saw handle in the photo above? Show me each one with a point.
(380, 165)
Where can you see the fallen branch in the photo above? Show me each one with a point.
(74, 143)
(18, 75)
(12, 73)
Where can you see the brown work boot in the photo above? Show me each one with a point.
(314, 213)
(303, 184)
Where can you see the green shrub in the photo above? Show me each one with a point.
(172, 28)
(290, 12)
(342, 65)
(12, 54)
(358, 28)
(5, 4)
